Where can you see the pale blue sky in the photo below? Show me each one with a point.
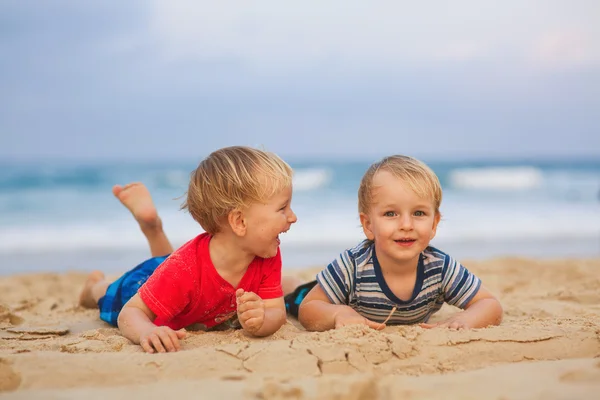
(176, 79)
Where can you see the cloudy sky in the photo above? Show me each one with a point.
(175, 79)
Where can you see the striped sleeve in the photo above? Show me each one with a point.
(337, 279)
(458, 284)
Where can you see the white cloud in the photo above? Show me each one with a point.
(271, 35)
(304, 35)
(566, 49)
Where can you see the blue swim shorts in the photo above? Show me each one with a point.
(120, 291)
(292, 301)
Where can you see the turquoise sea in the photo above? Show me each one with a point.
(57, 216)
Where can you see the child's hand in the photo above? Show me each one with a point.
(250, 310)
(454, 322)
(350, 317)
(161, 339)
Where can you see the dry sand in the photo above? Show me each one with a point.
(547, 347)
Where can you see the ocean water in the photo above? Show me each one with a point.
(62, 216)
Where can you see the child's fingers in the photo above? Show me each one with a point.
(456, 325)
(166, 338)
(239, 293)
(174, 340)
(428, 326)
(250, 305)
(449, 325)
(374, 325)
(248, 296)
(241, 298)
(254, 323)
(255, 313)
(145, 343)
(181, 333)
(156, 343)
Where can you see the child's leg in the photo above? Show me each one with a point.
(110, 297)
(94, 288)
(294, 291)
(137, 199)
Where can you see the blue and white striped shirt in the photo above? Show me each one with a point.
(355, 279)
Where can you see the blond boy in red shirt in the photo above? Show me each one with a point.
(242, 199)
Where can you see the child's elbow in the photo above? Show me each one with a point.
(274, 322)
(306, 317)
(281, 321)
(493, 311)
(499, 314)
(123, 318)
(302, 316)
(130, 314)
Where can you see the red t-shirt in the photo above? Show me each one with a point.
(186, 288)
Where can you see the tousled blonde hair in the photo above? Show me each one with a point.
(421, 179)
(230, 178)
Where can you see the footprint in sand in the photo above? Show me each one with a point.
(9, 379)
(582, 375)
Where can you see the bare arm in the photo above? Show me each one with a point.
(483, 310)
(316, 313)
(135, 323)
(260, 317)
(275, 317)
(135, 319)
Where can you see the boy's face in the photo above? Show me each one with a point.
(266, 220)
(401, 223)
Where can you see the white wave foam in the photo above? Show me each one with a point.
(324, 228)
(116, 235)
(311, 178)
(304, 179)
(331, 223)
(501, 178)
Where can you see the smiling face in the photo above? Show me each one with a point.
(264, 221)
(400, 222)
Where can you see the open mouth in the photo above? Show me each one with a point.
(280, 233)
(405, 241)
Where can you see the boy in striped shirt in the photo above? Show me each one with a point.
(394, 274)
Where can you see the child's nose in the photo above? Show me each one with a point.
(406, 222)
(292, 217)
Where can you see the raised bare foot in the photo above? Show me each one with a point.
(137, 199)
(86, 298)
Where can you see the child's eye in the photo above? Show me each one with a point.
(389, 214)
(419, 213)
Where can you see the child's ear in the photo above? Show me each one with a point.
(366, 225)
(436, 221)
(236, 221)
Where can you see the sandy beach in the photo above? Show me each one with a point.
(547, 347)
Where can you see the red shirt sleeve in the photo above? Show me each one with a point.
(270, 283)
(169, 289)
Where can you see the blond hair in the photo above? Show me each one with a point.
(230, 178)
(421, 179)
